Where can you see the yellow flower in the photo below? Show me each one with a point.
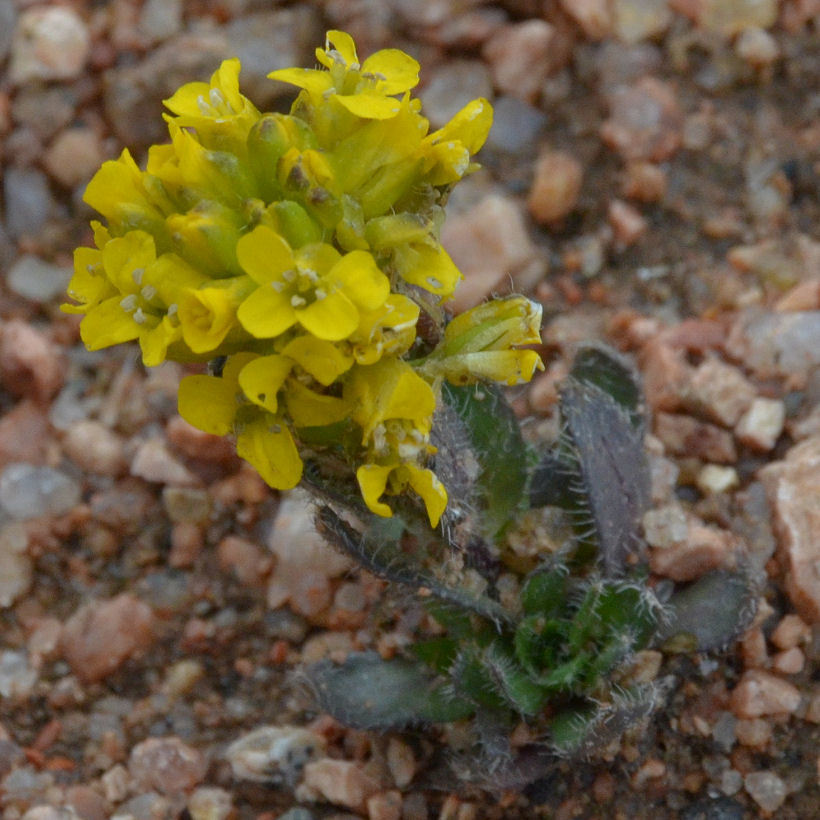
(208, 314)
(216, 110)
(376, 479)
(217, 405)
(479, 344)
(389, 390)
(449, 149)
(388, 330)
(314, 286)
(138, 297)
(366, 89)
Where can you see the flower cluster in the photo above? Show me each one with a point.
(304, 248)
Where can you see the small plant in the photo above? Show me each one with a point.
(299, 254)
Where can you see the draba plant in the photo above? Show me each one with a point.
(299, 255)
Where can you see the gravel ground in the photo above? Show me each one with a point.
(653, 178)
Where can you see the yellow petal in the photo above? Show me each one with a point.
(429, 267)
(399, 70)
(323, 360)
(126, 258)
(154, 342)
(469, 126)
(372, 480)
(262, 379)
(332, 318)
(266, 313)
(342, 42)
(208, 403)
(108, 324)
(308, 408)
(206, 316)
(370, 106)
(362, 281)
(314, 82)
(264, 255)
(269, 447)
(432, 491)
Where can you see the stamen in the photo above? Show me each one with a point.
(148, 292)
(139, 316)
(172, 309)
(203, 106)
(216, 98)
(289, 275)
(320, 293)
(137, 275)
(129, 303)
(297, 301)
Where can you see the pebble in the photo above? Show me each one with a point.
(593, 16)
(516, 125)
(74, 156)
(793, 486)
(211, 803)
(665, 526)
(28, 201)
(627, 222)
(636, 20)
(95, 448)
(154, 462)
(101, 635)
(451, 86)
(556, 186)
(341, 782)
(17, 678)
(469, 29)
(489, 244)
(50, 43)
(37, 280)
(789, 661)
(766, 789)
(790, 632)
(167, 765)
(754, 733)
(686, 436)
(305, 563)
(762, 423)
(730, 17)
(385, 806)
(760, 694)
(705, 548)
(666, 374)
(401, 761)
(186, 505)
(245, 559)
(30, 364)
(274, 754)
(160, 19)
(715, 478)
(29, 491)
(16, 568)
(644, 181)
(24, 434)
(196, 444)
(645, 121)
(8, 22)
(519, 57)
(757, 47)
(776, 345)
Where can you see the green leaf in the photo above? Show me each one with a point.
(497, 444)
(437, 653)
(368, 692)
(518, 688)
(545, 591)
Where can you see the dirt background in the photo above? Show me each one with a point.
(653, 179)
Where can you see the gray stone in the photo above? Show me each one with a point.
(35, 279)
(452, 86)
(17, 678)
(29, 491)
(28, 201)
(8, 21)
(16, 568)
(44, 110)
(516, 125)
(160, 19)
(274, 754)
(270, 40)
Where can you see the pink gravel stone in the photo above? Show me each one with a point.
(593, 16)
(556, 186)
(718, 391)
(789, 661)
(518, 55)
(686, 436)
(30, 364)
(92, 446)
(627, 222)
(760, 694)
(705, 548)
(793, 488)
(247, 560)
(101, 635)
(24, 434)
(341, 782)
(645, 121)
(153, 462)
(167, 765)
(790, 632)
